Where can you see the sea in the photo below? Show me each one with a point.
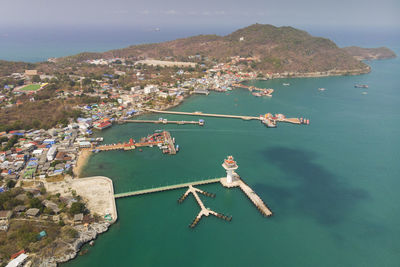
(332, 185)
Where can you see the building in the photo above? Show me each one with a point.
(150, 89)
(230, 166)
(51, 153)
(33, 212)
(18, 261)
(31, 72)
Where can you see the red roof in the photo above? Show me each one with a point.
(13, 256)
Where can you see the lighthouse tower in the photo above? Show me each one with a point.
(229, 165)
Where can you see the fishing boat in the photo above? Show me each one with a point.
(321, 89)
(286, 84)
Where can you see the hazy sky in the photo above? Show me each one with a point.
(159, 13)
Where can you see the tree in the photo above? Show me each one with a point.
(36, 79)
(35, 203)
(11, 183)
(76, 208)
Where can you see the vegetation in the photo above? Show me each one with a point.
(276, 48)
(76, 208)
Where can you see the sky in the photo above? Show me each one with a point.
(199, 13)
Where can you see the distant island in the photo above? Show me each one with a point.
(370, 53)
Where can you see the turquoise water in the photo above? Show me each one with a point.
(332, 185)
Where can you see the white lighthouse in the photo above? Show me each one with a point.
(229, 165)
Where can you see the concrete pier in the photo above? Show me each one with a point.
(166, 188)
(204, 114)
(257, 201)
(162, 122)
(204, 211)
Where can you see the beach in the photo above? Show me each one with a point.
(83, 158)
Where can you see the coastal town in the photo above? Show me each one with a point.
(50, 116)
(39, 166)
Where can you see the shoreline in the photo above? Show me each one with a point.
(82, 159)
(98, 192)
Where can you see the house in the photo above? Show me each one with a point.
(20, 208)
(31, 72)
(33, 212)
(51, 205)
(18, 261)
(78, 218)
(5, 215)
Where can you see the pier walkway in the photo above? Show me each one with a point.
(161, 122)
(166, 188)
(204, 114)
(257, 201)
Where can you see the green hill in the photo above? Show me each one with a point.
(278, 49)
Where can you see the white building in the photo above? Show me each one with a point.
(150, 89)
(51, 153)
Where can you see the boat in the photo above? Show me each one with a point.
(360, 86)
(285, 84)
(364, 93)
(201, 122)
(177, 148)
(158, 131)
(321, 89)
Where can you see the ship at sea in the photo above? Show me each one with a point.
(360, 86)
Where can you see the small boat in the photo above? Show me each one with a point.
(364, 93)
(360, 86)
(321, 89)
(140, 150)
(177, 148)
(286, 84)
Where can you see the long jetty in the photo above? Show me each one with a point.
(161, 122)
(166, 188)
(205, 114)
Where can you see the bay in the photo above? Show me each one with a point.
(332, 185)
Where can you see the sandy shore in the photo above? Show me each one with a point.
(83, 158)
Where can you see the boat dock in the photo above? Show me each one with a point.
(200, 123)
(162, 140)
(204, 211)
